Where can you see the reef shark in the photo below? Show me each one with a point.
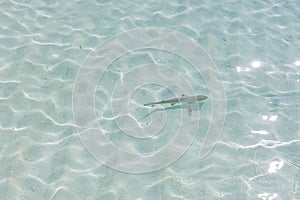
(185, 99)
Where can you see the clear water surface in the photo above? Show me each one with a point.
(255, 45)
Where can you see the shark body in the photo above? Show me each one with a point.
(190, 100)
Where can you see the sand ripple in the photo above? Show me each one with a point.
(42, 45)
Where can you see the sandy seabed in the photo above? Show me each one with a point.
(255, 46)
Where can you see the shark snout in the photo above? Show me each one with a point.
(201, 97)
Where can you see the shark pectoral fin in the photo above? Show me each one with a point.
(190, 109)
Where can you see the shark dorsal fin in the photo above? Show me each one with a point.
(184, 95)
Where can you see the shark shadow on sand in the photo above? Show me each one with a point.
(195, 107)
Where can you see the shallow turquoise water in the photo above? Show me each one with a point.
(253, 44)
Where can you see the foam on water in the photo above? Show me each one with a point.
(255, 46)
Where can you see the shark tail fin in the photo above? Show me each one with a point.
(149, 104)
